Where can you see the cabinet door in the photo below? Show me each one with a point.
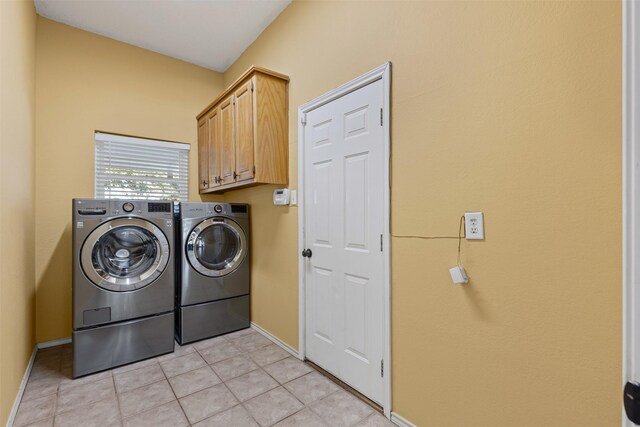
(215, 147)
(244, 131)
(227, 142)
(203, 154)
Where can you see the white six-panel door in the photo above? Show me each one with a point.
(344, 223)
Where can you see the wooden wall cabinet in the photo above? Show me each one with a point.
(243, 134)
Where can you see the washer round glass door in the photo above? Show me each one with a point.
(125, 254)
(216, 247)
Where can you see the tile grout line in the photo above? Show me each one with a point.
(55, 402)
(351, 394)
(240, 403)
(259, 367)
(179, 357)
(35, 357)
(73, 408)
(224, 410)
(267, 391)
(197, 351)
(237, 376)
(147, 409)
(294, 396)
(249, 413)
(340, 384)
(58, 390)
(113, 379)
(263, 393)
(224, 382)
(174, 392)
(167, 379)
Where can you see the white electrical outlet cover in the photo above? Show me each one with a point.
(474, 225)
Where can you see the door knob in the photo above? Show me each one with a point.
(307, 253)
(631, 398)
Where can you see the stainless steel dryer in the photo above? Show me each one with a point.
(213, 270)
(123, 282)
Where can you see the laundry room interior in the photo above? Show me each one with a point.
(336, 213)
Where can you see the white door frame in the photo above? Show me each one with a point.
(383, 73)
(630, 195)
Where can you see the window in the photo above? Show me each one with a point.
(138, 168)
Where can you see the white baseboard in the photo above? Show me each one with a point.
(400, 421)
(395, 418)
(276, 340)
(25, 377)
(23, 384)
(53, 343)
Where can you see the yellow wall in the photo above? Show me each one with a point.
(511, 108)
(17, 141)
(86, 82)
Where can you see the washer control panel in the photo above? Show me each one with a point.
(159, 207)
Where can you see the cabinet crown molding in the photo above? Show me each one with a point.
(227, 91)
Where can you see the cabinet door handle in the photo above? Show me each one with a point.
(235, 175)
(204, 183)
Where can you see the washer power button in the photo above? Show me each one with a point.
(128, 207)
(217, 208)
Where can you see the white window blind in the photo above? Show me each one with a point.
(138, 168)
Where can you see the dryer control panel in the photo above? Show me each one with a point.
(159, 207)
(204, 210)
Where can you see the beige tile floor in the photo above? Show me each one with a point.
(241, 379)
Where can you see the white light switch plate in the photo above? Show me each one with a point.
(294, 197)
(474, 225)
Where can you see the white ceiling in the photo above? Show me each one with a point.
(209, 33)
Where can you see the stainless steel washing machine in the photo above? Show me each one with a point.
(123, 282)
(213, 270)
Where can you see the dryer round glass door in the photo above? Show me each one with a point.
(125, 254)
(216, 247)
